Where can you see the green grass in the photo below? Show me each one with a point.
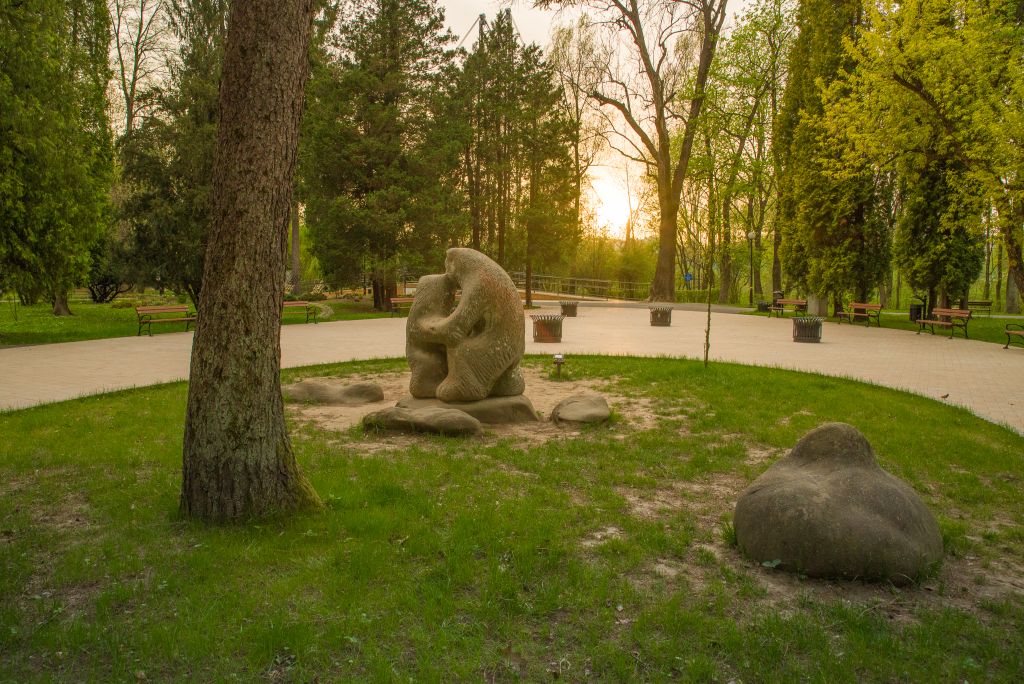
(984, 328)
(438, 559)
(37, 324)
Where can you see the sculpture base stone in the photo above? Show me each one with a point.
(493, 410)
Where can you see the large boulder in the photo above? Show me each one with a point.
(316, 391)
(828, 510)
(586, 408)
(493, 410)
(469, 350)
(435, 420)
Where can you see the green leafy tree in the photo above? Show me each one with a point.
(937, 93)
(55, 144)
(939, 243)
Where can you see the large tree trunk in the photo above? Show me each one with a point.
(663, 288)
(296, 251)
(238, 460)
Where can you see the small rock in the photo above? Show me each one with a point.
(435, 420)
(828, 510)
(581, 409)
(493, 410)
(315, 391)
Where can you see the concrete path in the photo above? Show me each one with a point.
(981, 376)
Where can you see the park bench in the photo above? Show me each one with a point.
(1014, 334)
(799, 307)
(980, 306)
(946, 318)
(857, 310)
(148, 315)
(400, 305)
(311, 310)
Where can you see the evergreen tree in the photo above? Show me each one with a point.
(834, 238)
(55, 146)
(237, 459)
(371, 159)
(168, 160)
(519, 166)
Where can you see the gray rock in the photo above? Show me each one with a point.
(493, 410)
(587, 408)
(470, 350)
(439, 421)
(316, 391)
(828, 510)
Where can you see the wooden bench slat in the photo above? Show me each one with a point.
(148, 315)
(779, 306)
(863, 310)
(954, 318)
(297, 306)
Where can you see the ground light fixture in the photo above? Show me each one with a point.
(559, 359)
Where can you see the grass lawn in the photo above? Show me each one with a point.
(601, 555)
(37, 324)
(984, 328)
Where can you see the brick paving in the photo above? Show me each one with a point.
(980, 376)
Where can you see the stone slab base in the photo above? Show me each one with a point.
(493, 410)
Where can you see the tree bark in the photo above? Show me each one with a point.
(1012, 293)
(60, 304)
(237, 457)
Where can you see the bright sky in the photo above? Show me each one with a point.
(608, 194)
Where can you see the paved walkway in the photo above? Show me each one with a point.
(978, 375)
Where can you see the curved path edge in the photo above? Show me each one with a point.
(980, 376)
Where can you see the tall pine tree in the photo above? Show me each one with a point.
(370, 160)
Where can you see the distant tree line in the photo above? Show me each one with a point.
(840, 149)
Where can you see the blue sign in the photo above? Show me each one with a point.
(688, 277)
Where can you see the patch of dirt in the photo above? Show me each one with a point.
(652, 504)
(600, 536)
(965, 583)
(758, 454)
(636, 413)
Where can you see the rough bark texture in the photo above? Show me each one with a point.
(60, 304)
(237, 460)
(1012, 293)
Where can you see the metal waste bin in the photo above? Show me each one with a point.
(916, 312)
(569, 308)
(807, 329)
(547, 327)
(661, 316)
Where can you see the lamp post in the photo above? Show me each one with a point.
(750, 241)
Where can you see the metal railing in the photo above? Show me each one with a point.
(585, 287)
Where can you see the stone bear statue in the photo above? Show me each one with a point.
(484, 337)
